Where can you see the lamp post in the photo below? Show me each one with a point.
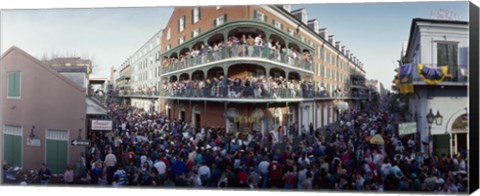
(438, 119)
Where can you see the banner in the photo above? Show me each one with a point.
(432, 76)
(407, 128)
(406, 81)
(102, 125)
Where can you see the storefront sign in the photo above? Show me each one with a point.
(246, 119)
(33, 142)
(407, 128)
(102, 125)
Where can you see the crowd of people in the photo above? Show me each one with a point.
(246, 87)
(245, 46)
(149, 150)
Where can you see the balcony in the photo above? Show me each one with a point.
(456, 76)
(303, 63)
(226, 43)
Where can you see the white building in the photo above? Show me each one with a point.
(145, 74)
(436, 43)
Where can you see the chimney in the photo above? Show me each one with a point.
(337, 45)
(355, 60)
(323, 33)
(343, 50)
(347, 53)
(331, 39)
(351, 56)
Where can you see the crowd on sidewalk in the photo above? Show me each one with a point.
(149, 150)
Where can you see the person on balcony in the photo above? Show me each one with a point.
(203, 54)
(235, 45)
(243, 44)
(250, 45)
(229, 47)
(258, 44)
(278, 49)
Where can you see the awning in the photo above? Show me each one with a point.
(95, 108)
(342, 106)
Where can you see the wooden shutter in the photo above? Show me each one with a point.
(193, 15)
(214, 22)
(225, 18)
(265, 18)
(255, 14)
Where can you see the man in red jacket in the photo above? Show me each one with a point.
(275, 172)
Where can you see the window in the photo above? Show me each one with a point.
(168, 34)
(195, 15)
(277, 24)
(447, 55)
(181, 24)
(304, 17)
(324, 73)
(220, 20)
(259, 16)
(13, 83)
(218, 7)
(291, 32)
(181, 40)
(319, 68)
(168, 47)
(195, 32)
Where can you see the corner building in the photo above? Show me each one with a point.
(211, 76)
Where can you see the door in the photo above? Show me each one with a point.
(56, 150)
(12, 145)
(325, 115)
(197, 120)
(182, 115)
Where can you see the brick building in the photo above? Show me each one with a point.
(305, 55)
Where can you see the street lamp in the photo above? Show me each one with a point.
(438, 118)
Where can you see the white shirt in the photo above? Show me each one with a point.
(160, 166)
(263, 167)
(204, 170)
(110, 160)
(258, 41)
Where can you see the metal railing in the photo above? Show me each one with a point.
(247, 52)
(241, 93)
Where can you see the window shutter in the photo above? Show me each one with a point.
(193, 33)
(265, 18)
(193, 15)
(199, 31)
(199, 13)
(215, 23)
(273, 22)
(281, 26)
(225, 18)
(255, 14)
(11, 84)
(179, 25)
(17, 81)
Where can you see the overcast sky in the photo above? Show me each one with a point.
(374, 32)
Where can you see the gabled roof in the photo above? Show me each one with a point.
(297, 10)
(42, 65)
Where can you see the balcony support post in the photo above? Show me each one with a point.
(205, 113)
